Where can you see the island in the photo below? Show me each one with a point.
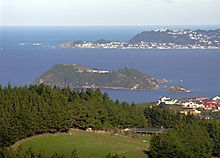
(178, 89)
(157, 39)
(78, 76)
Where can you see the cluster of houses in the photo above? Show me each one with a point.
(141, 45)
(189, 40)
(193, 106)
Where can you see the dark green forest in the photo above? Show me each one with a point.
(37, 109)
(187, 137)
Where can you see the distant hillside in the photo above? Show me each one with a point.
(212, 34)
(209, 32)
(180, 37)
(161, 37)
(77, 76)
(157, 39)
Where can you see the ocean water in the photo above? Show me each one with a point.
(27, 52)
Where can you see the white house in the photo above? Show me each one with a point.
(167, 100)
(216, 98)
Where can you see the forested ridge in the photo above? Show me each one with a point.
(37, 109)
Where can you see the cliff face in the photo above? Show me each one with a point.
(77, 76)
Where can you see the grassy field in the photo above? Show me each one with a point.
(88, 144)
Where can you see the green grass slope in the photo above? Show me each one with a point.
(88, 144)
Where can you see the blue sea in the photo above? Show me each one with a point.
(27, 52)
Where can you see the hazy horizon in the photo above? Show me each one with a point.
(109, 12)
(214, 25)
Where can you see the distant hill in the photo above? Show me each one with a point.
(77, 76)
(213, 35)
(209, 32)
(157, 39)
(161, 37)
(180, 37)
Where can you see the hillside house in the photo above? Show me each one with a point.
(217, 98)
(167, 100)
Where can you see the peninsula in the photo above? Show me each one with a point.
(157, 39)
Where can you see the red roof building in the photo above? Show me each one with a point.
(211, 104)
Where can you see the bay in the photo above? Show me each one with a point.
(197, 70)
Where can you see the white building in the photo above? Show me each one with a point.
(216, 98)
(167, 100)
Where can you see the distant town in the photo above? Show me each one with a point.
(193, 106)
(157, 39)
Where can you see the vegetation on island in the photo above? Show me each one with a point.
(177, 89)
(77, 76)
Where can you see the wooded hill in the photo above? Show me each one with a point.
(79, 76)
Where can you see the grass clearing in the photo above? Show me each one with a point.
(88, 144)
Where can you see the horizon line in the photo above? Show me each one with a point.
(103, 25)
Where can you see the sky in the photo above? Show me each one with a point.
(109, 12)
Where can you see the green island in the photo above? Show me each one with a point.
(178, 89)
(78, 76)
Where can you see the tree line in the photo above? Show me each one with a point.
(37, 109)
(30, 153)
